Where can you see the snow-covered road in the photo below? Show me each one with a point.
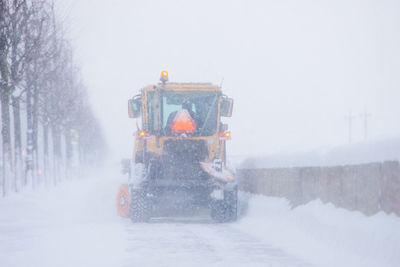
(195, 244)
(75, 224)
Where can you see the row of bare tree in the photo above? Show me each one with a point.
(47, 125)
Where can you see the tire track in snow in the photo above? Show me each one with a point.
(180, 244)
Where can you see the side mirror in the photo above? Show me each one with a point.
(226, 107)
(135, 106)
(125, 166)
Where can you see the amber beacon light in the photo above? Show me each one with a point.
(164, 76)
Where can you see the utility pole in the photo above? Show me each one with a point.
(366, 115)
(350, 119)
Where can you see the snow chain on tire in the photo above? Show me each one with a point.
(139, 206)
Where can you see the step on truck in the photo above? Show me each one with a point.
(178, 167)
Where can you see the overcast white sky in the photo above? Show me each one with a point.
(295, 68)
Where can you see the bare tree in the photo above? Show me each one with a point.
(5, 92)
(38, 75)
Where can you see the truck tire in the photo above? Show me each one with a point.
(231, 199)
(225, 210)
(140, 208)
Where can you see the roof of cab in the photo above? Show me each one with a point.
(184, 87)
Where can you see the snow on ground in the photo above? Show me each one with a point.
(323, 234)
(75, 224)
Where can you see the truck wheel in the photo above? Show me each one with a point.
(218, 211)
(225, 210)
(231, 200)
(139, 206)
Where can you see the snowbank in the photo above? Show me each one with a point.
(323, 234)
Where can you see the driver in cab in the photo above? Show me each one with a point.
(183, 121)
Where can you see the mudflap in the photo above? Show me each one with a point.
(123, 200)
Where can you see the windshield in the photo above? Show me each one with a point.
(202, 107)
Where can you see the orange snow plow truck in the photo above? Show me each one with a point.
(178, 166)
